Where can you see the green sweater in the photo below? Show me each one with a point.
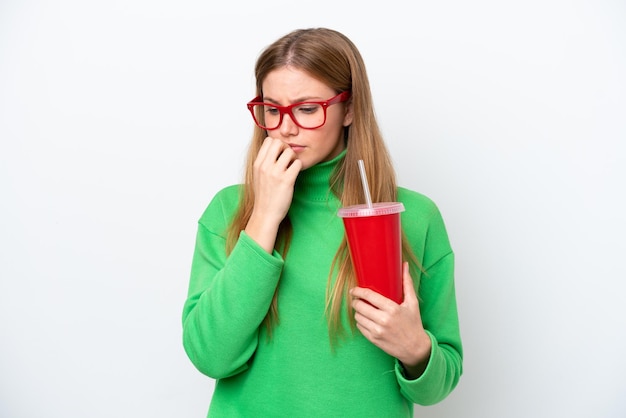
(295, 373)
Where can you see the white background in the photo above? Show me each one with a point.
(119, 120)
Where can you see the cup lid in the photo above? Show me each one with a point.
(380, 208)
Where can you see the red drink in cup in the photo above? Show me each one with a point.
(375, 243)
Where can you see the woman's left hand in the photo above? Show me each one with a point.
(396, 329)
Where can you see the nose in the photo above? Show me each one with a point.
(288, 126)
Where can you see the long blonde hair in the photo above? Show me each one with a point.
(332, 58)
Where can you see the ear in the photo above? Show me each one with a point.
(349, 116)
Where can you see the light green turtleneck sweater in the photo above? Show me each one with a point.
(295, 373)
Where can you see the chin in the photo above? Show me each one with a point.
(306, 165)
(308, 162)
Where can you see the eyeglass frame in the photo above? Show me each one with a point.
(339, 98)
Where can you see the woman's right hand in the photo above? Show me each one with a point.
(275, 171)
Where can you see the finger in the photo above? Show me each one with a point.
(410, 295)
(274, 158)
(364, 324)
(270, 150)
(372, 297)
(295, 167)
(364, 307)
(286, 162)
(286, 157)
(407, 283)
(264, 149)
(276, 148)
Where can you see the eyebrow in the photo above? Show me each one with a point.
(298, 100)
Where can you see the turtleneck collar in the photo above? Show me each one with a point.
(314, 182)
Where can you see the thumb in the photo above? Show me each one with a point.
(407, 283)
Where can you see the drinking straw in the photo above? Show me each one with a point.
(366, 187)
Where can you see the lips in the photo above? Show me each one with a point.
(296, 147)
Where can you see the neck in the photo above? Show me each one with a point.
(314, 182)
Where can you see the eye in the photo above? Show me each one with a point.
(307, 108)
(271, 111)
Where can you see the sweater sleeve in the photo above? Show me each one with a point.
(439, 317)
(228, 297)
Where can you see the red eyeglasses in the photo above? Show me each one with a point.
(307, 115)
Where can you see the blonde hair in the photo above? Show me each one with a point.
(332, 58)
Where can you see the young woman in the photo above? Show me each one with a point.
(273, 311)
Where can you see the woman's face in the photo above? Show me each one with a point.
(288, 85)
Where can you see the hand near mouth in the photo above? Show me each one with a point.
(275, 171)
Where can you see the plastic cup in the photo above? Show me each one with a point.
(375, 243)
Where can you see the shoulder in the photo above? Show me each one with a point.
(424, 226)
(416, 203)
(228, 193)
(421, 213)
(223, 205)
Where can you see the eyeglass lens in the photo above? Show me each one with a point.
(307, 115)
